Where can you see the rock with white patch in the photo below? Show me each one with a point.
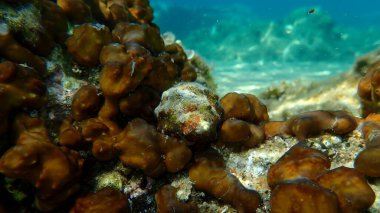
(189, 110)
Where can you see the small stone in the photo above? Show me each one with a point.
(189, 110)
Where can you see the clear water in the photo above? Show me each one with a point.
(252, 44)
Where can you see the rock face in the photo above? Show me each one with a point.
(189, 110)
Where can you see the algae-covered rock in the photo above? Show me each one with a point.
(190, 110)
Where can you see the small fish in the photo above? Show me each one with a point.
(311, 11)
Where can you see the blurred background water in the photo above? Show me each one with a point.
(252, 44)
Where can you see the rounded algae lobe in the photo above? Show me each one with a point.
(238, 133)
(303, 196)
(104, 200)
(86, 43)
(298, 162)
(354, 193)
(368, 162)
(209, 175)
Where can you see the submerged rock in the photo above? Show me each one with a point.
(190, 110)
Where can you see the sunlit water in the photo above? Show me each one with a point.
(254, 44)
(254, 78)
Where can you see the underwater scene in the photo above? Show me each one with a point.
(253, 44)
(202, 106)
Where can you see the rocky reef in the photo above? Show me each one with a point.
(102, 113)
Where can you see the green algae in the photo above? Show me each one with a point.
(11, 186)
(24, 20)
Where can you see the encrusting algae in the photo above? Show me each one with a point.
(140, 128)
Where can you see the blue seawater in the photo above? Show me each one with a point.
(252, 44)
